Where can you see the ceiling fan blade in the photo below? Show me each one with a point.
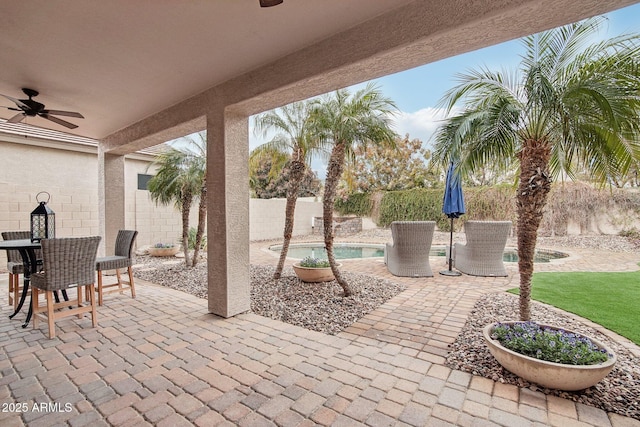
(17, 118)
(16, 101)
(58, 121)
(63, 113)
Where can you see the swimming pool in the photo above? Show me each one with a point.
(370, 250)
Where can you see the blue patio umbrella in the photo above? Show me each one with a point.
(452, 207)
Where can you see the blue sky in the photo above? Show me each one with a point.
(417, 91)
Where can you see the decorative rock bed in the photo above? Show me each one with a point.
(342, 225)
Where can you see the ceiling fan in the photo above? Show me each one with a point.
(31, 108)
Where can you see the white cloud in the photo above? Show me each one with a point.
(420, 124)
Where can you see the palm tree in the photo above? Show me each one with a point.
(197, 149)
(293, 144)
(569, 104)
(179, 179)
(345, 120)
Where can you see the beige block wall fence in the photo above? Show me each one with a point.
(266, 217)
(69, 173)
(70, 176)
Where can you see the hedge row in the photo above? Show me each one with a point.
(567, 200)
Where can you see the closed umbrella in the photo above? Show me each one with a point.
(452, 207)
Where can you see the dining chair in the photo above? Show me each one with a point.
(121, 259)
(68, 263)
(15, 265)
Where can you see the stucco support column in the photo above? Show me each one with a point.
(228, 213)
(111, 201)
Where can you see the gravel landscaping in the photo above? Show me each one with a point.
(316, 306)
(320, 307)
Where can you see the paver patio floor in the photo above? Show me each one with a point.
(161, 359)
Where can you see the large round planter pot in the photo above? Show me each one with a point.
(164, 251)
(549, 374)
(313, 274)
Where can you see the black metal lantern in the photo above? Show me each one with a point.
(43, 220)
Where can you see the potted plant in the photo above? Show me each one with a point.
(549, 356)
(312, 270)
(163, 249)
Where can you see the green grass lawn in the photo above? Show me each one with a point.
(608, 299)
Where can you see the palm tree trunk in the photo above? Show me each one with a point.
(334, 171)
(202, 219)
(186, 207)
(534, 187)
(296, 175)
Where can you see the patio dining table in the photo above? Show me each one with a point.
(27, 250)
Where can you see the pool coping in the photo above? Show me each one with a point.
(570, 256)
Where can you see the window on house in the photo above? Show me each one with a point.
(143, 181)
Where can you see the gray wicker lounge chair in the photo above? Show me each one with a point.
(68, 263)
(121, 259)
(408, 255)
(483, 252)
(15, 265)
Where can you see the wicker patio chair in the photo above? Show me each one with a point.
(121, 259)
(408, 255)
(68, 263)
(15, 265)
(483, 252)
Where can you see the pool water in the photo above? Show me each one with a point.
(340, 251)
(359, 250)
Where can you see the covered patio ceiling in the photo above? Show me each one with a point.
(143, 72)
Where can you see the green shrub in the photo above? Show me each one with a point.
(192, 239)
(482, 203)
(311, 262)
(576, 202)
(418, 204)
(356, 204)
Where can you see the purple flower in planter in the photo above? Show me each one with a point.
(553, 345)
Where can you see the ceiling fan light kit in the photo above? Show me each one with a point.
(31, 108)
(269, 3)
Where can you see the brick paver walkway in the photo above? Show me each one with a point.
(162, 360)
